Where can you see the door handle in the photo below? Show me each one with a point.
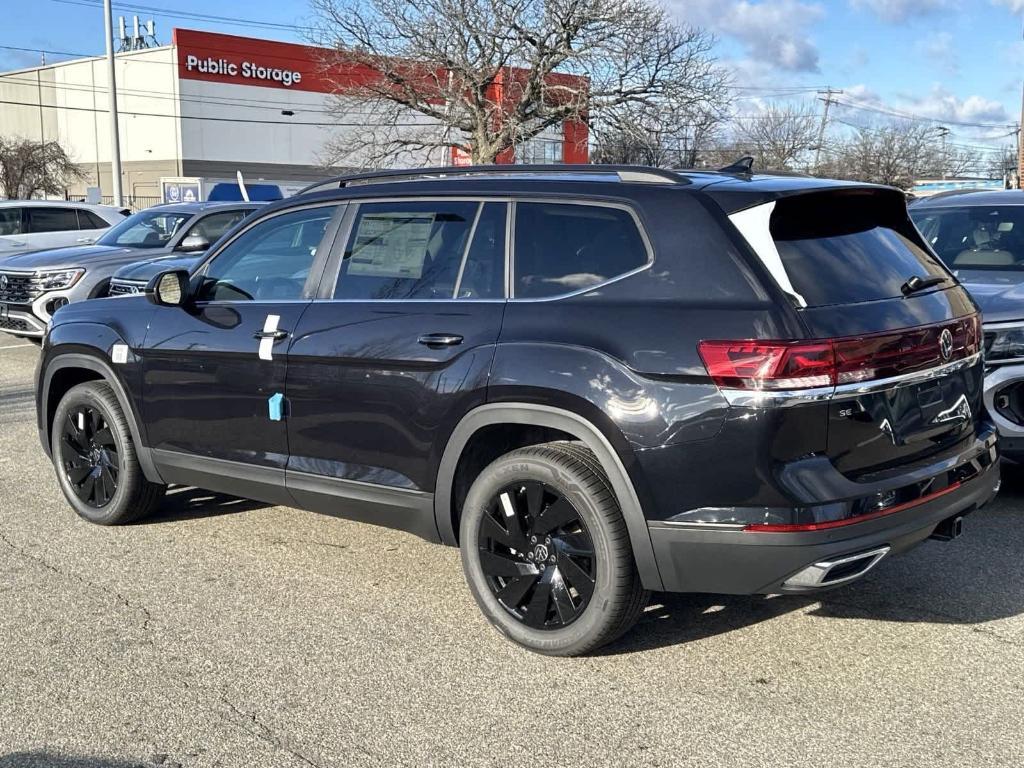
(440, 339)
(275, 335)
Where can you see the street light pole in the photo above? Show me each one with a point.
(115, 140)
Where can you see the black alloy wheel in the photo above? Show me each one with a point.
(537, 556)
(90, 456)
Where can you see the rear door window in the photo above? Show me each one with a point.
(561, 248)
(847, 249)
(52, 220)
(424, 250)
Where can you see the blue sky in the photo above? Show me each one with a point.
(957, 62)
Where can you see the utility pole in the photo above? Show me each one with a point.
(828, 93)
(943, 133)
(115, 140)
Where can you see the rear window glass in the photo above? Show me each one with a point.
(844, 249)
(981, 237)
(562, 248)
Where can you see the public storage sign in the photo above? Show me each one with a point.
(244, 61)
(246, 69)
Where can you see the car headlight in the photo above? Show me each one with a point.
(1004, 344)
(57, 280)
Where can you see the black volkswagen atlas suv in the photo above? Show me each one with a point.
(597, 381)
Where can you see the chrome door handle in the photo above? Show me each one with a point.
(440, 339)
(276, 335)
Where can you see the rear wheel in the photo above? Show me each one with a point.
(546, 552)
(95, 459)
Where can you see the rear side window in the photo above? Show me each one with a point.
(847, 249)
(89, 220)
(562, 248)
(52, 219)
(424, 250)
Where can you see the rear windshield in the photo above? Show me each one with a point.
(848, 248)
(981, 237)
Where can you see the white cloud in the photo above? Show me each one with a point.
(901, 10)
(940, 104)
(940, 50)
(773, 33)
(1017, 6)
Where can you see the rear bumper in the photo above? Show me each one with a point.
(694, 558)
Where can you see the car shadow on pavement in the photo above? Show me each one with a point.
(185, 503)
(42, 759)
(970, 581)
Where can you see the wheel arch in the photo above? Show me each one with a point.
(561, 421)
(66, 370)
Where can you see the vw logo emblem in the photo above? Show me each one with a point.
(946, 344)
(3, 282)
(540, 553)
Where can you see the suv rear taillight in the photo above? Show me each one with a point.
(786, 365)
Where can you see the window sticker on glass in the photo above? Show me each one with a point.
(391, 245)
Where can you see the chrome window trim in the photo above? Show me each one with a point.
(746, 398)
(584, 203)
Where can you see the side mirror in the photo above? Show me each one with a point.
(193, 243)
(169, 289)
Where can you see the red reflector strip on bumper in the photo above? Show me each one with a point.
(808, 527)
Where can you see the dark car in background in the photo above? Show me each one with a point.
(980, 237)
(34, 285)
(597, 381)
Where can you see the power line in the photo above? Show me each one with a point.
(208, 17)
(215, 119)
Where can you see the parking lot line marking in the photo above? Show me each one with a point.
(15, 346)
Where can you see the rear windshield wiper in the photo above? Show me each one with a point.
(915, 283)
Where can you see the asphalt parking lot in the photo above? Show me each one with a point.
(228, 633)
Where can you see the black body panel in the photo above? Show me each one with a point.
(374, 420)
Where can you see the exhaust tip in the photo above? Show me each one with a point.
(827, 573)
(949, 529)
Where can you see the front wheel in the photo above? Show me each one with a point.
(95, 458)
(546, 552)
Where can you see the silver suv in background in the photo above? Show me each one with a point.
(35, 285)
(29, 225)
(980, 237)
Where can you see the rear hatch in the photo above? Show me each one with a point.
(903, 336)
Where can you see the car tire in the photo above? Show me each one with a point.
(94, 457)
(552, 500)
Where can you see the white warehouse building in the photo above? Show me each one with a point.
(204, 107)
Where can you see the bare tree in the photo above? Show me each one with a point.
(896, 153)
(779, 137)
(483, 76)
(663, 135)
(30, 168)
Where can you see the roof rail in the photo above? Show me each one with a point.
(628, 173)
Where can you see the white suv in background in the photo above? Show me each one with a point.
(28, 225)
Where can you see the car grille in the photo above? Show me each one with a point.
(125, 288)
(14, 324)
(18, 288)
